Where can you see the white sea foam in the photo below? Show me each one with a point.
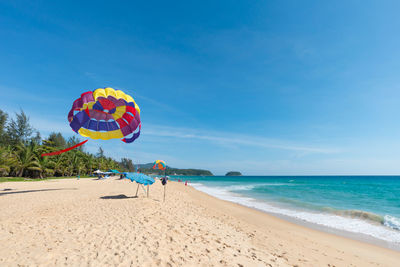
(240, 187)
(329, 220)
(252, 186)
(391, 222)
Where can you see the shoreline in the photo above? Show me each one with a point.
(342, 237)
(290, 214)
(343, 233)
(319, 227)
(100, 222)
(326, 229)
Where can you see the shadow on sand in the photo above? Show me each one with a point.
(32, 191)
(117, 197)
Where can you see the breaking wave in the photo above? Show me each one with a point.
(386, 227)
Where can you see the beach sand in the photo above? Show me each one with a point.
(90, 222)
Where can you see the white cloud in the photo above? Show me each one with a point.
(227, 139)
(220, 138)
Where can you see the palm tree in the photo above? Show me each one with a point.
(68, 163)
(58, 166)
(90, 162)
(77, 162)
(113, 164)
(81, 167)
(7, 160)
(100, 163)
(25, 159)
(45, 167)
(45, 164)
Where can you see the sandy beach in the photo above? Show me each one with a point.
(100, 223)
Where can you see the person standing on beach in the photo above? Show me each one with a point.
(164, 183)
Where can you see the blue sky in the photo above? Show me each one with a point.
(262, 87)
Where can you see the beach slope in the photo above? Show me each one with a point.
(100, 222)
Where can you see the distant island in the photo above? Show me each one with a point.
(231, 173)
(147, 169)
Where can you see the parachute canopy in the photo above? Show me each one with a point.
(159, 165)
(106, 114)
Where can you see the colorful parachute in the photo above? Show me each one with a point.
(106, 114)
(159, 165)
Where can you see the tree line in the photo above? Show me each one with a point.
(21, 146)
(175, 171)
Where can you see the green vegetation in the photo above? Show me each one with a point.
(23, 179)
(21, 147)
(147, 169)
(232, 173)
(12, 179)
(191, 172)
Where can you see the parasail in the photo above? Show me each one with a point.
(159, 165)
(104, 114)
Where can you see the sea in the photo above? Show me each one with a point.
(364, 206)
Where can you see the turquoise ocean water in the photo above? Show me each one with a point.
(368, 205)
